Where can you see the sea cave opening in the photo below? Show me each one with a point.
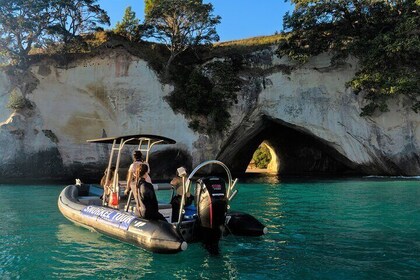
(294, 151)
(264, 160)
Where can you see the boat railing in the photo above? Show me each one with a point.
(186, 185)
(145, 144)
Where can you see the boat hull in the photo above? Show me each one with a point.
(155, 236)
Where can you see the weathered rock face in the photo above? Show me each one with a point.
(313, 122)
(115, 94)
(307, 116)
(5, 88)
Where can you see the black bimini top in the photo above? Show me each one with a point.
(134, 139)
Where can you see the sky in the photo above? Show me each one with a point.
(240, 18)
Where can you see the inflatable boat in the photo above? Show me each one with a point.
(108, 211)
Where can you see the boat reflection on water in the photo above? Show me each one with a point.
(68, 233)
(84, 254)
(96, 254)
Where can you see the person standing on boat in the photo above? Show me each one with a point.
(177, 183)
(145, 196)
(131, 175)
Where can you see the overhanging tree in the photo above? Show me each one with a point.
(181, 24)
(22, 25)
(383, 35)
(205, 96)
(74, 17)
(28, 23)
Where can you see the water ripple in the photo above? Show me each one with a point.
(348, 229)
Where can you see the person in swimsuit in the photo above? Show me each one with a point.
(131, 175)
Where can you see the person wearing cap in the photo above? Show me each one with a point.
(176, 183)
(131, 175)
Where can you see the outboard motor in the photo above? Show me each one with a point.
(212, 204)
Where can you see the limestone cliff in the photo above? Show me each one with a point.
(313, 122)
(306, 114)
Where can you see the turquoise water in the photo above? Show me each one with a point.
(346, 229)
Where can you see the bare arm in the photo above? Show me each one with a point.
(147, 177)
(129, 177)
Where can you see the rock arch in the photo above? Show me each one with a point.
(300, 152)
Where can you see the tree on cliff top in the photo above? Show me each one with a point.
(180, 24)
(28, 23)
(74, 17)
(22, 24)
(383, 35)
(130, 26)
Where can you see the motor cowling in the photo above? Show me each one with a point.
(211, 202)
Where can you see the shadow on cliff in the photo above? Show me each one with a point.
(300, 153)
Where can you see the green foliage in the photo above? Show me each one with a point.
(18, 102)
(71, 18)
(262, 157)
(383, 35)
(205, 94)
(180, 24)
(22, 24)
(254, 43)
(3, 58)
(27, 24)
(148, 5)
(130, 26)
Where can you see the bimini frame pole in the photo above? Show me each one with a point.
(147, 149)
(144, 140)
(181, 208)
(149, 146)
(115, 185)
(108, 169)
